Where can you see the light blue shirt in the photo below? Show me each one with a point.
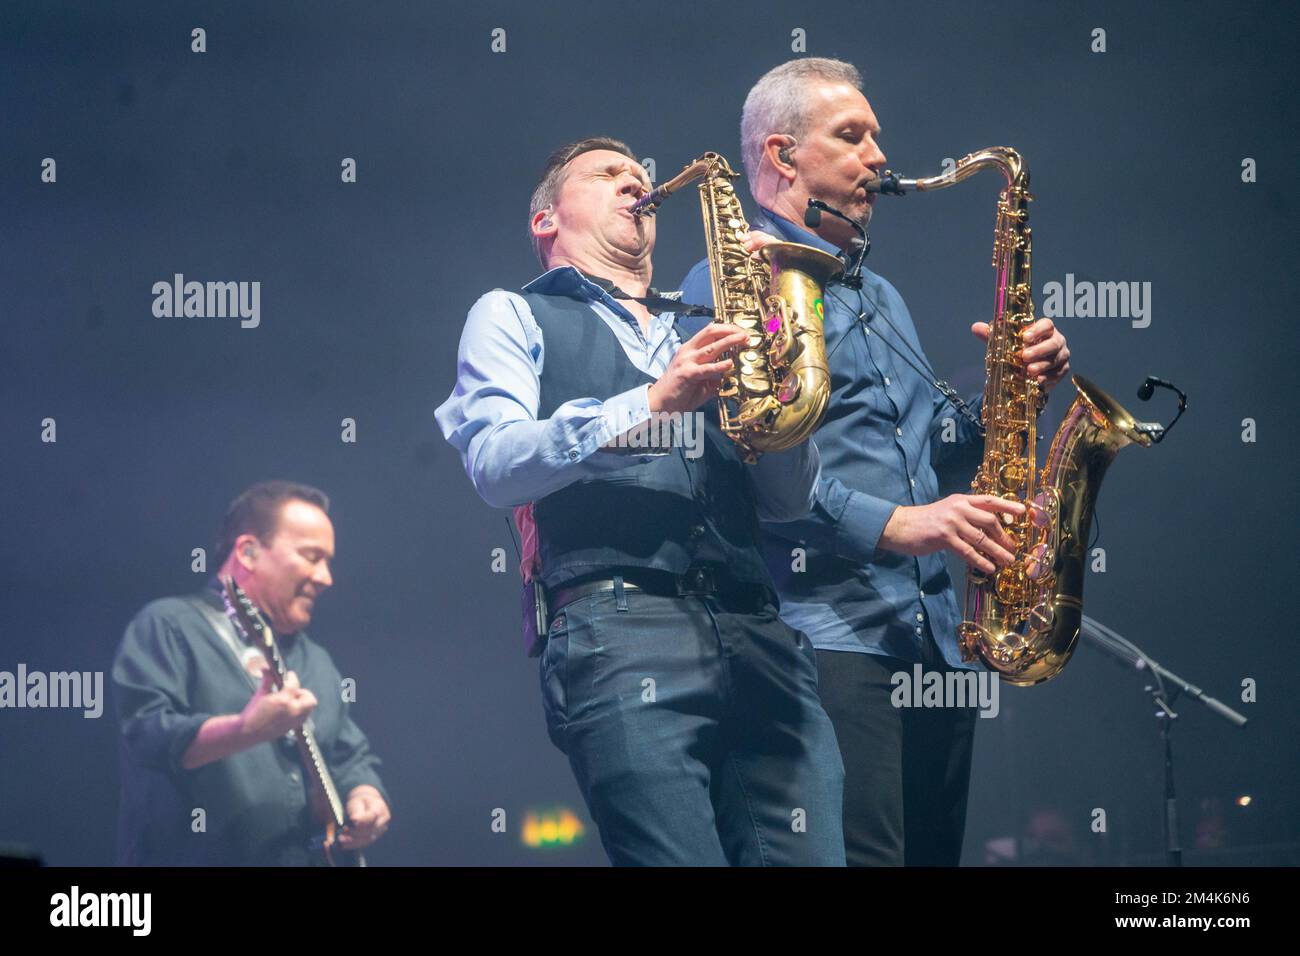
(512, 458)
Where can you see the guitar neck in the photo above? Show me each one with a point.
(319, 781)
(254, 630)
(319, 775)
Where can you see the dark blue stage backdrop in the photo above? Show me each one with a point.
(1163, 152)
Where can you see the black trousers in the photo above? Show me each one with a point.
(906, 769)
(694, 731)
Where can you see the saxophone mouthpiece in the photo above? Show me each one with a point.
(648, 204)
(887, 184)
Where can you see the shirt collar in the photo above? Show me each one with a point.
(214, 596)
(567, 281)
(782, 228)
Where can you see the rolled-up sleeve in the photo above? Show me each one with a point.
(490, 418)
(151, 674)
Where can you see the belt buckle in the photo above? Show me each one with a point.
(696, 581)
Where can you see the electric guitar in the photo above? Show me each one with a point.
(322, 796)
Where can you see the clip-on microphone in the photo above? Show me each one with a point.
(812, 218)
(1155, 430)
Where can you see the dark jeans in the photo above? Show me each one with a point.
(906, 769)
(695, 733)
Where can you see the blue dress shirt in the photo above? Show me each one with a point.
(880, 443)
(512, 458)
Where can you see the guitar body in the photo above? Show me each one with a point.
(322, 796)
(326, 852)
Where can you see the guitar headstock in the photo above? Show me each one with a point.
(249, 623)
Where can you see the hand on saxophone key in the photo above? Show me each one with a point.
(693, 376)
(970, 526)
(1046, 357)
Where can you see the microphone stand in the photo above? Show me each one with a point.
(1128, 653)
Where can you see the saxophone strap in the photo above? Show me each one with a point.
(243, 653)
(657, 302)
(924, 368)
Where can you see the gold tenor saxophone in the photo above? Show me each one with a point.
(778, 392)
(1023, 620)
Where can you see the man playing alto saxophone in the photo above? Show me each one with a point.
(687, 708)
(875, 597)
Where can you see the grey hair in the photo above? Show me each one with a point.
(555, 171)
(778, 103)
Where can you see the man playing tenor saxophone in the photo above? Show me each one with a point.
(687, 708)
(874, 597)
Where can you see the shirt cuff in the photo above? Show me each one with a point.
(182, 735)
(861, 524)
(622, 413)
(626, 410)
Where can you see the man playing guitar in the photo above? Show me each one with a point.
(216, 746)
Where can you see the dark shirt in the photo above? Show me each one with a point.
(171, 673)
(881, 442)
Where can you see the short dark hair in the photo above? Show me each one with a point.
(552, 178)
(257, 511)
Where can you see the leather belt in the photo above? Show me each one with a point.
(699, 582)
(566, 596)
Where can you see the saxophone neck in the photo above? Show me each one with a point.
(710, 164)
(1002, 158)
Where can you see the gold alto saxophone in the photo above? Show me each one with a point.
(778, 392)
(1023, 620)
